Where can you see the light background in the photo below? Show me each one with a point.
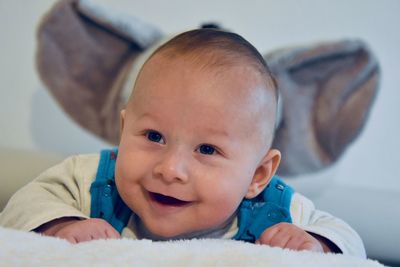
(31, 120)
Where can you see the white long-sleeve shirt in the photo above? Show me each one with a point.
(64, 191)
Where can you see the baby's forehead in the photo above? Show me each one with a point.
(241, 87)
(239, 83)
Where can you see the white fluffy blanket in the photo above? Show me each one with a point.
(29, 249)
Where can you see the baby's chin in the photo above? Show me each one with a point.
(158, 231)
(162, 233)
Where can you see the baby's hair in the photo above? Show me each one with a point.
(203, 45)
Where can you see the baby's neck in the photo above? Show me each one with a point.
(143, 233)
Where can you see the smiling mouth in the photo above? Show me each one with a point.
(167, 200)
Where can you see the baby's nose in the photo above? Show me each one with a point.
(172, 167)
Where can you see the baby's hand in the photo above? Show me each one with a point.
(76, 231)
(286, 235)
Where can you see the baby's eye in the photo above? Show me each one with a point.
(207, 149)
(155, 136)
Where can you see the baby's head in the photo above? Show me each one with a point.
(196, 133)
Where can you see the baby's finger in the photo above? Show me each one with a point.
(280, 239)
(311, 246)
(96, 234)
(84, 237)
(112, 233)
(295, 242)
(70, 239)
(267, 235)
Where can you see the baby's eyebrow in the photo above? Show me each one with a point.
(214, 131)
(147, 115)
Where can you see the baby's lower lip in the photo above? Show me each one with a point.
(167, 200)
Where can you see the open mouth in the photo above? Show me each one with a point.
(167, 200)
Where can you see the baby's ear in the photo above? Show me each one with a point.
(264, 173)
(121, 121)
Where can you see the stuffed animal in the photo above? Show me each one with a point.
(88, 57)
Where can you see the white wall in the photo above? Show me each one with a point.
(31, 120)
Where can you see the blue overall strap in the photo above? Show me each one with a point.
(106, 202)
(272, 206)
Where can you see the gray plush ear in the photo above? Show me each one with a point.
(84, 53)
(326, 91)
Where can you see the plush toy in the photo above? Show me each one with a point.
(88, 57)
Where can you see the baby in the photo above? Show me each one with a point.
(194, 161)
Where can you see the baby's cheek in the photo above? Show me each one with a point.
(221, 193)
(224, 204)
(127, 185)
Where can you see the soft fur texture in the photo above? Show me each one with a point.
(30, 249)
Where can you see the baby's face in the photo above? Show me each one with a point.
(190, 144)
